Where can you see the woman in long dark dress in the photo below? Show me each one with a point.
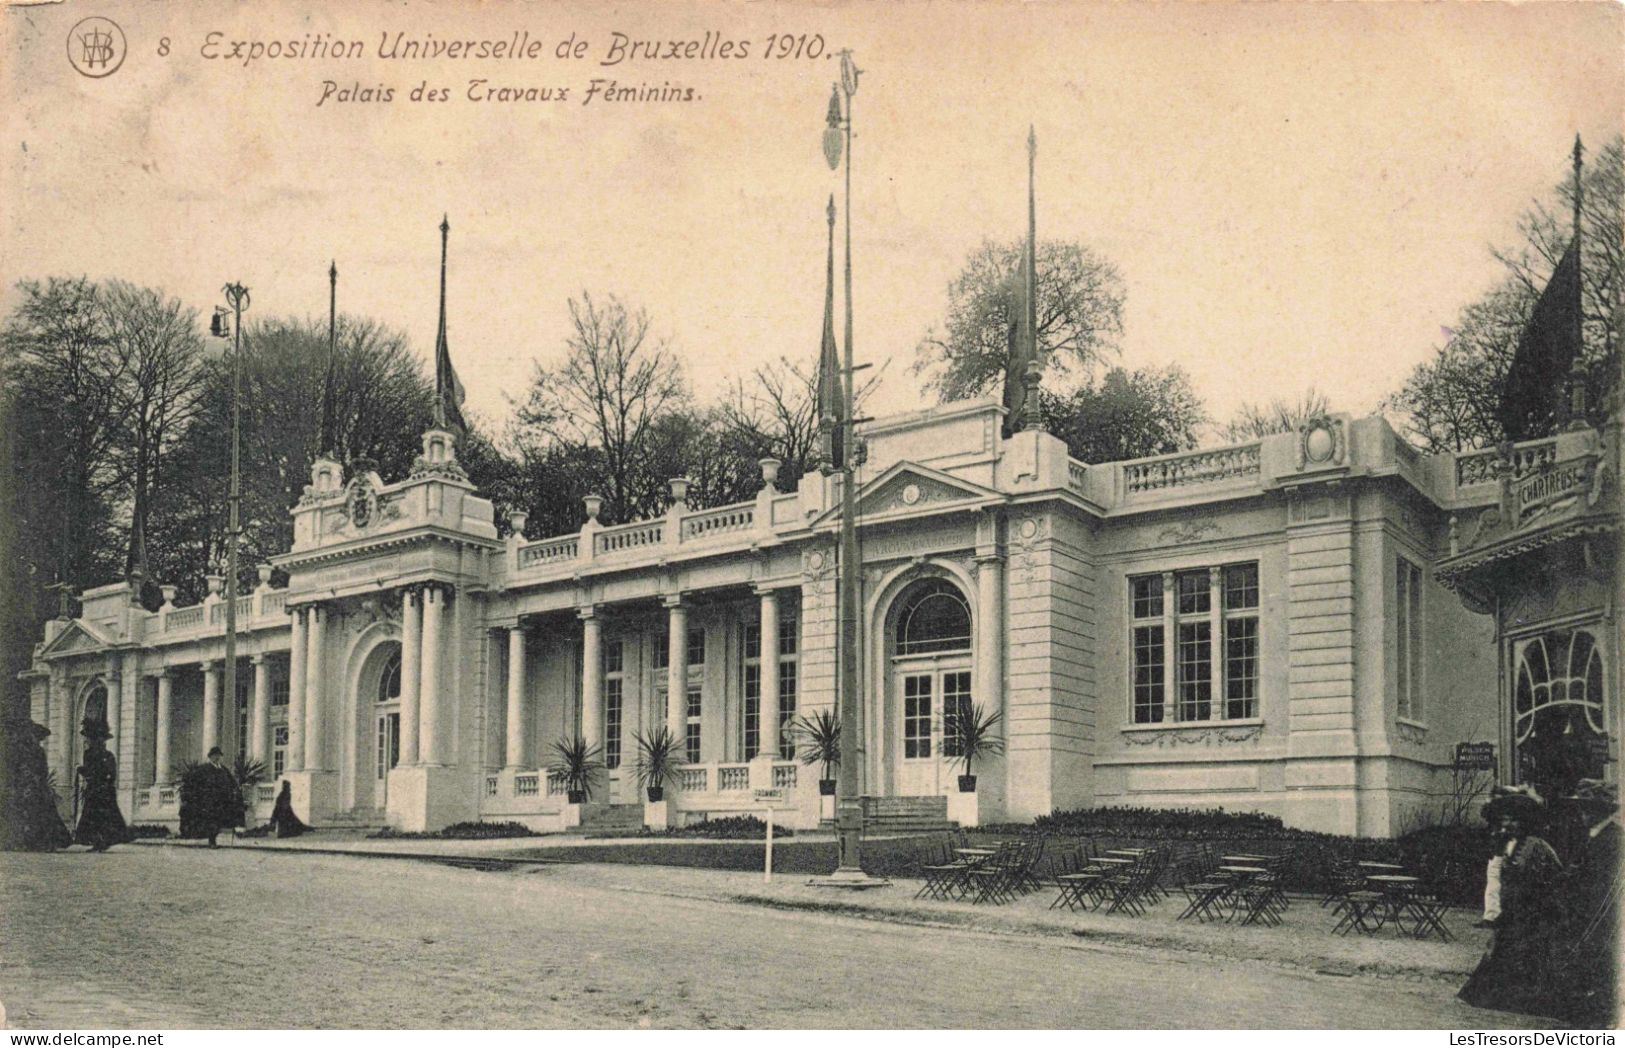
(100, 823)
(33, 822)
(284, 823)
(1519, 972)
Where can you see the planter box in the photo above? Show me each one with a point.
(964, 809)
(656, 815)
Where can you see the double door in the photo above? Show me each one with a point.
(930, 701)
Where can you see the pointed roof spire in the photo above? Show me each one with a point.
(329, 438)
(1032, 417)
(448, 390)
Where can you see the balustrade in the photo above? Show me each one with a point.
(527, 785)
(1191, 468)
(694, 780)
(549, 551)
(490, 785)
(629, 536)
(719, 521)
(731, 778)
(784, 776)
(556, 785)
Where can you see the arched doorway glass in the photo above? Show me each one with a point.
(930, 646)
(386, 710)
(92, 711)
(1559, 709)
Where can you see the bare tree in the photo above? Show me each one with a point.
(1080, 317)
(157, 339)
(772, 414)
(616, 382)
(1278, 416)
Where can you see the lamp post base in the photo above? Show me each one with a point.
(851, 880)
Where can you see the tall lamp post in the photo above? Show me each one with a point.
(237, 299)
(848, 801)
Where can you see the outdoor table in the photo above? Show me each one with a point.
(1127, 853)
(1115, 860)
(1379, 866)
(1247, 860)
(1393, 888)
(976, 851)
(1247, 871)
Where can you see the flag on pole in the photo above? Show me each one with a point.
(1532, 400)
(328, 438)
(448, 388)
(1015, 361)
(829, 400)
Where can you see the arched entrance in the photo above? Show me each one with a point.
(1560, 709)
(379, 696)
(929, 638)
(92, 710)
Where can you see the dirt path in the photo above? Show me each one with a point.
(184, 938)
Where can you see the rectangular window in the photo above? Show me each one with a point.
(696, 646)
(789, 680)
(691, 736)
(1195, 667)
(662, 649)
(279, 691)
(614, 693)
(752, 740)
(279, 750)
(917, 715)
(1148, 674)
(1202, 661)
(1408, 638)
(956, 712)
(244, 688)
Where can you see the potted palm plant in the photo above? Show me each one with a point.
(657, 761)
(577, 763)
(973, 732)
(249, 773)
(819, 742)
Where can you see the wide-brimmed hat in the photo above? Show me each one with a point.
(1520, 806)
(215, 751)
(94, 729)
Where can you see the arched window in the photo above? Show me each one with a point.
(389, 682)
(96, 705)
(1558, 707)
(932, 618)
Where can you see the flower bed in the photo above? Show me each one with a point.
(732, 828)
(462, 831)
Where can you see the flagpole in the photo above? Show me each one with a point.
(1032, 414)
(440, 341)
(332, 355)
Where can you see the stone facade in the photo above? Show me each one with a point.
(1305, 625)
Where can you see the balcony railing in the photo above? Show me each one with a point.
(1191, 468)
(183, 618)
(732, 778)
(694, 780)
(719, 521)
(550, 551)
(629, 536)
(556, 785)
(265, 793)
(1076, 475)
(490, 785)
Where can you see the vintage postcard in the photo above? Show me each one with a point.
(803, 515)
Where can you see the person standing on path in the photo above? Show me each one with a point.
(101, 825)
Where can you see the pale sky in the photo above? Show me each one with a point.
(1295, 194)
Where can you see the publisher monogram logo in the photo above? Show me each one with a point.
(96, 47)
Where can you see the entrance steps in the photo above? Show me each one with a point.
(905, 814)
(355, 819)
(612, 820)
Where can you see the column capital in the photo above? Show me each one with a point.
(161, 673)
(210, 665)
(587, 611)
(1214, 573)
(989, 557)
(765, 589)
(672, 601)
(257, 658)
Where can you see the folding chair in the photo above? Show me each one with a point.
(1428, 910)
(997, 879)
(1361, 911)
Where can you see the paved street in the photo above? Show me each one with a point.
(183, 937)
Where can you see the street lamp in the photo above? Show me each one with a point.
(237, 300)
(848, 801)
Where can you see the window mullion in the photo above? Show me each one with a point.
(1216, 694)
(1170, 649)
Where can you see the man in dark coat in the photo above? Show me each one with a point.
(1590, 980)
(210, 800)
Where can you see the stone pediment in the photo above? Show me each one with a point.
(907, 488)
(79, 638)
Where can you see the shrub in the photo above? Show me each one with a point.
(732, 828)
(148, 830)
(461, 831)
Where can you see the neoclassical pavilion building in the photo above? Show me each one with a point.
(1306, 624)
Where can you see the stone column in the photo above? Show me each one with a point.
(768, 704)
(411, 648)
(516, 697)
(677, 670)
(434, 605)
(990, 633)
(294, 758)
(1170, 650)
(211, 708)
(315, 692)
(259, 713)
(592, 688)
(161, 728)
